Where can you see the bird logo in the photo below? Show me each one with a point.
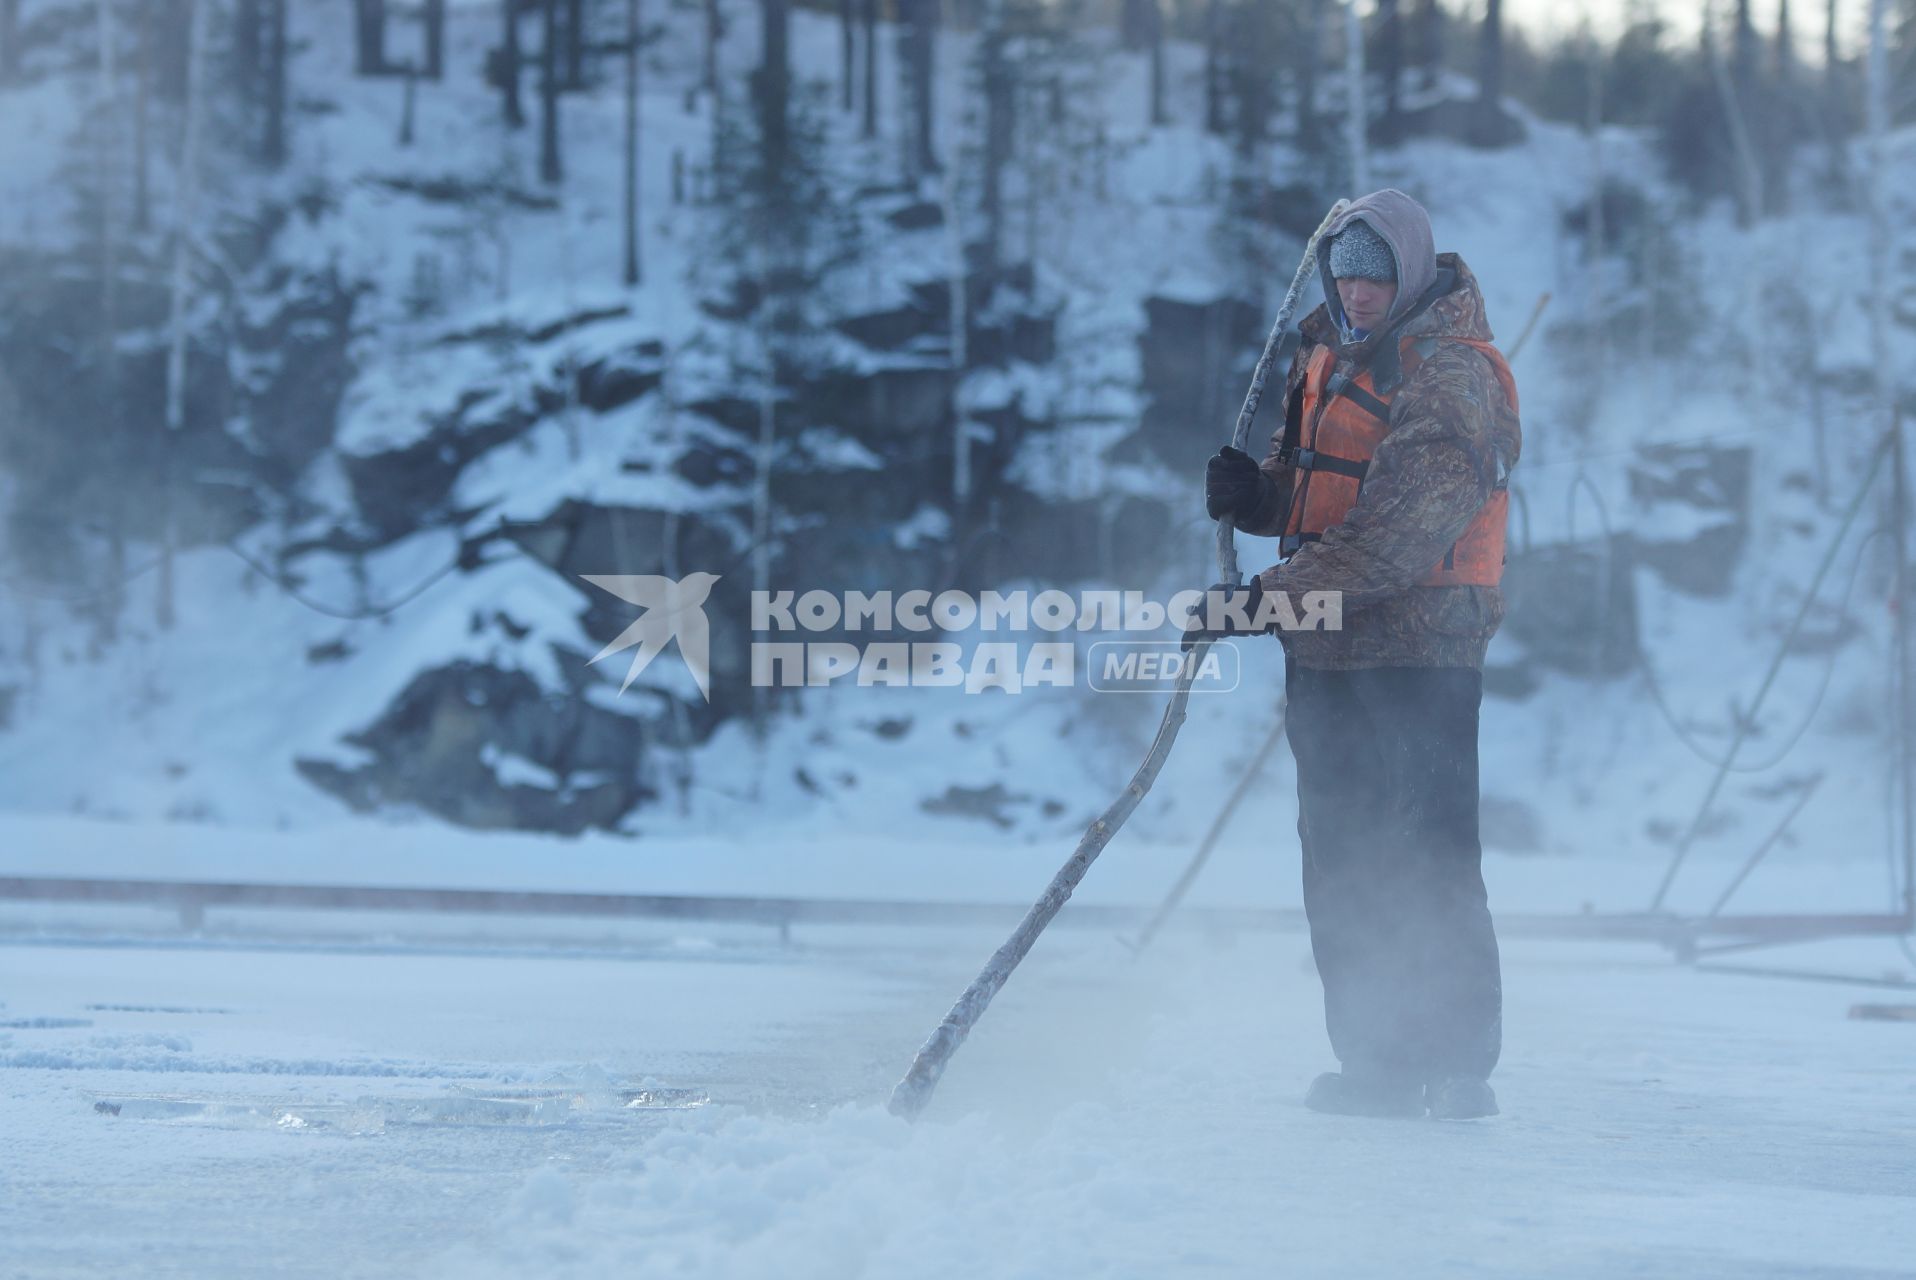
(673, 611)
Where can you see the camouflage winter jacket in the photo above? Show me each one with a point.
(1451, 434)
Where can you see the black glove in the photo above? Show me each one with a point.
(1226, 594)
(1233, 484)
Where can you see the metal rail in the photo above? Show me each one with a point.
(192, 897)
(1685, 936)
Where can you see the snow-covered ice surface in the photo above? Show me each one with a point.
(343, 1096)
(1659, 1124)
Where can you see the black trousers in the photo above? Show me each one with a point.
(1393, 870)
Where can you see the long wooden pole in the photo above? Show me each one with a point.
(911, 1094)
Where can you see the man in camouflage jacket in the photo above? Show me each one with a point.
(1382, 713)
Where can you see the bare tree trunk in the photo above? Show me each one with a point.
(435, 19)
(370, 29)
(142, 191)
(1430, 43)
(1134, 23)
(1356, 111)
(511, 60)
(847, 54)
(185, 212)
(1390, 58)
(1251, 74)
(9, 39)
(922, 56)
(273, 146)
(1001, 106)
(766, 453)
(869, 128)
(1490, 73)
(575, 44)
(1743, 57)
(1025, 144)
(1308, 52)
(247, 46)
(409, 99)
(1593, 126)
(107, 161)
(771, 87)
(1831, 63)
(1156, 17)
(714, 31)
(170, 48)
(1749, 190)
(109, 324)
(187, 188)
(1744, 94)
(1832, 112)
(959, 321)
(1876, 127)
(631, 143)
(551, 170)
(1782, 115)
(1214, 66)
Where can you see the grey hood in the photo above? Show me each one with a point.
(1405, 227)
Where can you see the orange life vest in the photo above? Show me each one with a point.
(1341, 420)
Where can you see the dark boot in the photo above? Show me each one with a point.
(1460, 1098)
(1345, 1094)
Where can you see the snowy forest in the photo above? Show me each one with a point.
(343, 345)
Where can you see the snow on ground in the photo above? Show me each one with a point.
(711, 1105)
(337, 1095)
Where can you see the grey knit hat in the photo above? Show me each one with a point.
(1360, 253)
